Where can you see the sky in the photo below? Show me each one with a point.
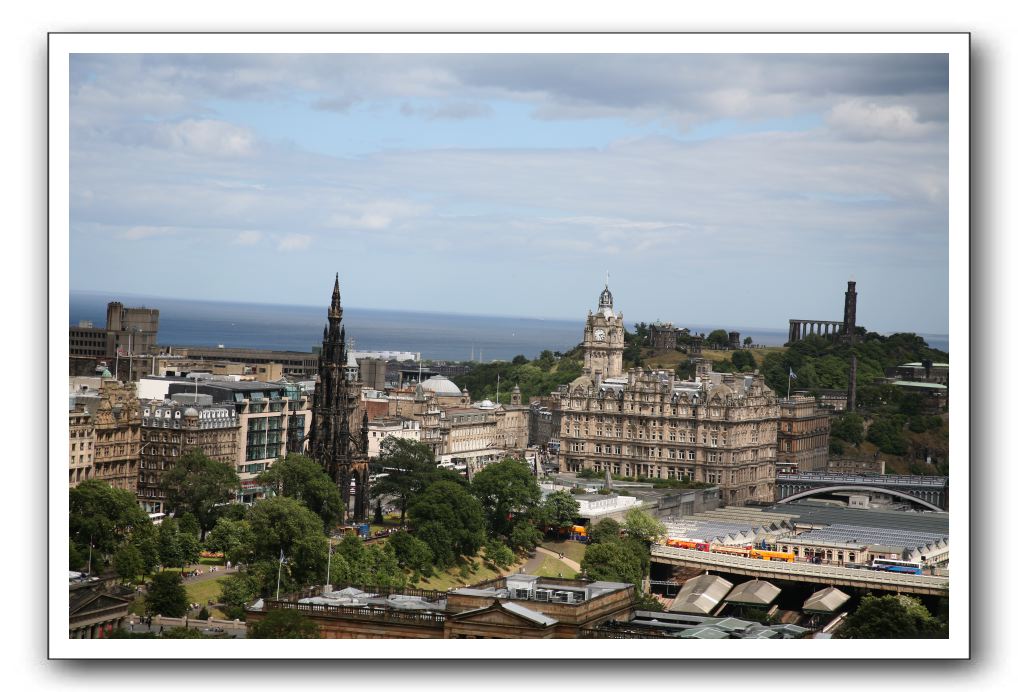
(710, 189)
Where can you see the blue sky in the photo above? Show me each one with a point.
(731, 189)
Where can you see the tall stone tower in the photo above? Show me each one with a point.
(332, 444)
(848, 330)
(603, 339)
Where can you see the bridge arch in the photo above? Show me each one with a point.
(820, 490)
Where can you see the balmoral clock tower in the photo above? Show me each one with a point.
(603, 339)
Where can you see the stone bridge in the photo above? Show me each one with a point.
(928, 492)
(800, 571)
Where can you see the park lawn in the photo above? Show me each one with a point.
(452, 577)
(553, 567)
(574, 550)
(203, 591)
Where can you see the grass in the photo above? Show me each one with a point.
(553, 567)
(670, 359)
(453, 578)
(574, 550)
(202, 592)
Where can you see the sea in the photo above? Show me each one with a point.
(435, 335)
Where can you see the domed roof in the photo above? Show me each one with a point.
(486, 404)
(106, 373)
(441, 385)
(190, 412)
(606, 300)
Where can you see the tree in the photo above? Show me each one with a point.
(235, 592)
(748, 341)
(643, 526)
(411, 552)
(284, 624)
(128, 562)
(507, 491)
(102, 517)
(410, 466)
(196, 484)
(743, 361)
(171, 554)
(499, 554)
(166, 595)
(525, 536)
(232, 538)
(604, 531)
(718, 338)
(282, 524)
(891, 617)
(615, 560)
(886, 433)
(520, 360)
(450, 520)
(304, 479)
(848, 427)
(560, 510)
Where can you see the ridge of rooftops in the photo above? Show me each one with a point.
(514, 587)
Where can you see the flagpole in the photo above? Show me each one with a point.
(788, 392)
(279, 572)
(328, 568)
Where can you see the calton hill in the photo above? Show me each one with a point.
(432, 529)
(888, 423)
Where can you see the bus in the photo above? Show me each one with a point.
(900, 566)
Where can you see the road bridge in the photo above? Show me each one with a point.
(928, 492)
(801, 571)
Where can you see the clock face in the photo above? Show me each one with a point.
(599, 335)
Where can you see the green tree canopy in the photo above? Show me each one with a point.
(304, 479)
(891, 617)
(450, 520)
(604, 531)
(235, 592)
(196, 484)
(233, 538)
(616, 560)
(284, 524)
(411, 552)
(411, 467)
(284, 624)
(103, 517)
(128, 562)
(848, 427)
(166, 595)
(718, 337)
(560, 510)
(507, 491)
(171, 552)
(644, 527)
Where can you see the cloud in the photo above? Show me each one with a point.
(455, 110)
(858, 119)
(247, 238)
(142, 232)
(294, 241)
(206, 138)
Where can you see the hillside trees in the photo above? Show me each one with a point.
(196, 484)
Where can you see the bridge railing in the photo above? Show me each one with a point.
(802, 568)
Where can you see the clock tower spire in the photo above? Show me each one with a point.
(603, 338)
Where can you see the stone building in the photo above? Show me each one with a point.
(663, 337)
(81, 452)
(518, 606)
(720, 428)
(172, 428)
(117, 435)
(130, 337)
(804, 433)
(339, 437)
(381, 428)
(469, 437)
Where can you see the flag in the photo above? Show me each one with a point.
(791, 374)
